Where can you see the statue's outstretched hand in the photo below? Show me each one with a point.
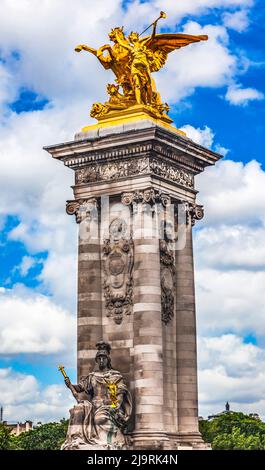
(67, 382)
(79, 48)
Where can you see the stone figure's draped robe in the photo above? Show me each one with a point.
(93, 424)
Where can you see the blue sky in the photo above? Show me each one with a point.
(216, 95)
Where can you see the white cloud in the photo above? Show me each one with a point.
(23, 398)
(228, 247)
(6, 90)
(34, 325)
(231, 370)
(239, 96)
(48, 63)
(26, 264)
(204, 137)
(146, 12)
(220, 149)
(213, 64)
(42, 187)
(59, 276)
(237, 20)
(232, 300)
(233, 193)
(200, 136)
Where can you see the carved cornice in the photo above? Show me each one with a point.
(148, 196)
(108, 155)
(120, 153)
(82, 208)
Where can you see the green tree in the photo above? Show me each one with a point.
(48, 436)
(5, 437)
(238, 441)
(234, 431)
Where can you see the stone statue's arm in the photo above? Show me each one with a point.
(78, 388)
(75, 389)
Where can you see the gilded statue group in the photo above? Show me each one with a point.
(133, 59)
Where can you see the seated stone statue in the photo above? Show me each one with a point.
(99, 422)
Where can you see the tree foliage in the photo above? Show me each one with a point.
(48, 436)
(5, 438)
(234, 431)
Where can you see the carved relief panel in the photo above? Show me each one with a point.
(118, 266)
(168, 282)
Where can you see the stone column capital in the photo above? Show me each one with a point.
(147, 196)
(193, 211)
(196, 212)
(82, 208)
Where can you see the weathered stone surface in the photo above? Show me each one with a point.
(131, 174)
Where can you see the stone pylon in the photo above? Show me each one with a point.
(135, 201)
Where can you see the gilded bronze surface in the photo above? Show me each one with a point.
(133, 59)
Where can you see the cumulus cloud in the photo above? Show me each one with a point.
(231, 247)
(204, 137)
(200, 136)
(26, 264)
(237, 20)
(233, 193)
(6, 90)
(176, 11)
(34, 325)
(23, 398)
(232, 300)
(239, 96)
(215, 64)
(229, 252)
(47, 62)
(42, 187)
(232, 370)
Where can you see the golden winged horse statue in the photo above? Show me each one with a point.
(133, 59)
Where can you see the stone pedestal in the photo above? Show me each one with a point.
(135, 201)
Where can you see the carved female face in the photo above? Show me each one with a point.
(102, 361)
